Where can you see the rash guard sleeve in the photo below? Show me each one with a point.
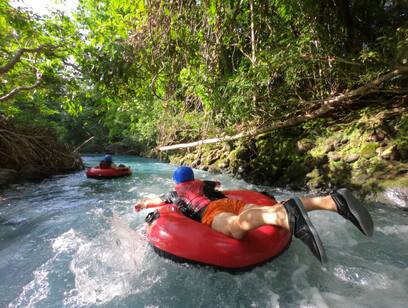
(170, 198)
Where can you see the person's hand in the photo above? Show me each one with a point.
(141, 204)
(137, 208)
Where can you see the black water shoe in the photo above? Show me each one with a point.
(302, 228)
(352, 209)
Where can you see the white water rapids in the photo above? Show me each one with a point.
(75, 242)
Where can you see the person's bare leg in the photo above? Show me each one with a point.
(254, 216)
(319, 203)
(251, 217)
(227, 223)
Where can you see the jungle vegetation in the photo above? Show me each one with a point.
(155, 73)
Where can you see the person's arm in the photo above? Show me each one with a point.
(146, 203)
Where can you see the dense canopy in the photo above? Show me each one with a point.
(154, 73)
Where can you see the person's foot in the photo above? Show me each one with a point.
(302, 228)
(352, 209)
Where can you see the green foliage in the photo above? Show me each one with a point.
(402, 136)
(278, 159)
(368, 149)
(41, 67)
(168, 71)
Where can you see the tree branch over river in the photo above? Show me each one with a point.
(16, 58)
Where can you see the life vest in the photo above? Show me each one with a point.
(192, 192)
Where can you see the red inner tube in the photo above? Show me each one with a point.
(96, 172)
(179, 237)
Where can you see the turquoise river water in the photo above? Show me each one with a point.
(75, 242)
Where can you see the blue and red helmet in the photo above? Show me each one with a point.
(183, 174)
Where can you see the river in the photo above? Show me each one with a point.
(75, 242)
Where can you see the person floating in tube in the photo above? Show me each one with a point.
(107, 163)
(201, 201)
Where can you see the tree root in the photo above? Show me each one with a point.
(35, 147)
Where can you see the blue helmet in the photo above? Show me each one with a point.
(183, 174)
(108, 158)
